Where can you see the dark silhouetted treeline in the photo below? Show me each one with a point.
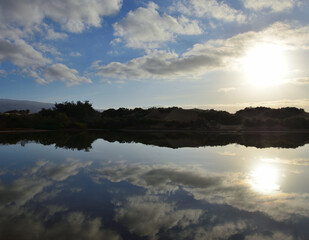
(81, 115)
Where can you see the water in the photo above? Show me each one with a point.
(154, 186)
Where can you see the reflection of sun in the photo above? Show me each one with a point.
(265, 65)
(264, 179)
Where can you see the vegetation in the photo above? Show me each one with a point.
(81, 115)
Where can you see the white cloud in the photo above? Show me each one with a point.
(146, 28)
(13, 33)
(74, 16)
(47, 49)
(274, 5)
(75, 54)
(21, 54)
(225, 90)
(52, 35)
(204, 57)
(21, 12)
(300, 81)
(62, 73)
(158, 65)
(22, 21)
(299, 103)
(210, 9)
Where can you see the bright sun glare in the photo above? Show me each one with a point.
(264, 179)
(265, 65)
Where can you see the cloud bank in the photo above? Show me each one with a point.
(202, 58)
(22, 21)
(210, 9)
(74, 16)
(147, 28)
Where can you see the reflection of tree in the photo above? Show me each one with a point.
(82, 140)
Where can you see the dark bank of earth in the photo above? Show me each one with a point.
(81, 115)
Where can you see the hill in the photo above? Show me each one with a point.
(79, 115)
(34, 107)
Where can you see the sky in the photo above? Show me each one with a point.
(133, 53)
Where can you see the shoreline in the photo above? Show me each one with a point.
(238, 131)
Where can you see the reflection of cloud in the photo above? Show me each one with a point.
(60, 172)
(273, 236)
(18, 220)
(146, 216)
(225, 153)
(295, 161)
(21, 190)
(230, 189)
(35, 179)
(166, 179)
(220, 231)
(74, 225)
(280, 206)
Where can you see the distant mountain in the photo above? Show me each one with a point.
(9, 104)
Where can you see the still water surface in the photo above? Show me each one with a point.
(130, 190)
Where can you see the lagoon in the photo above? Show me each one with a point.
(103, 185)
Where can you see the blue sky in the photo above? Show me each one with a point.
(187, 53)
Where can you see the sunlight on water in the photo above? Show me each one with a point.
(264, 179)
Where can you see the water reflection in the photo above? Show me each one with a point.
(83, 140)
(134, 191)
(264, 179)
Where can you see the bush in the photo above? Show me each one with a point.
(296, 123)
(222, 117)
(283, 113)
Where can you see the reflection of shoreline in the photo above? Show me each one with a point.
(22, 130)
(236, 131)
(82, 140)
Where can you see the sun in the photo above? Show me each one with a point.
(265, 65)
